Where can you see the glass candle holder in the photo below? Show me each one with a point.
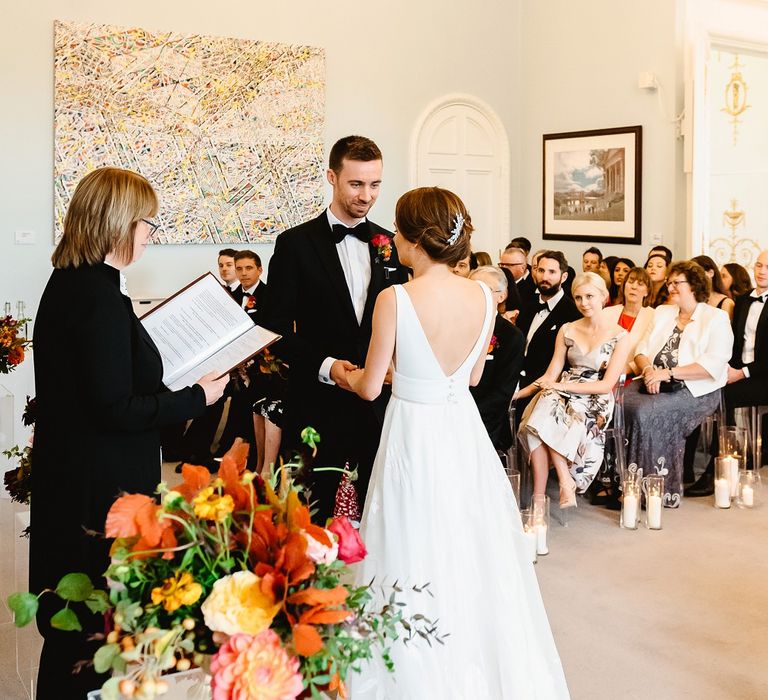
(529, 531)
(733, 444)
(541, 523)
(653, 488)
(745, 498)
(723, 476)
(630, 506)
(514, 480)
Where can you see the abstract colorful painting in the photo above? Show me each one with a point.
(228, 131)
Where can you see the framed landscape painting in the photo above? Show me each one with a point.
(592, 185)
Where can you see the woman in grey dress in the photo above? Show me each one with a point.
(683, 359)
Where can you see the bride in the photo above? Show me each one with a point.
(439, 508)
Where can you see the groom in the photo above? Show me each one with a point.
(324, 277)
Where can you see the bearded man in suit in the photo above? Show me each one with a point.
(324, 277)
(541, 322)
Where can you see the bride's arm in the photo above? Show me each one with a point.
(367, 382)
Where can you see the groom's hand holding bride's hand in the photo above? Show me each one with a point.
(340, 372)
(353, 379)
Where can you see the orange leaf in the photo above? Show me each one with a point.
(237, 455)
(168, 541)
(306, 639)
(229, 474)
(195, 480)
(123, 520)
(319, 596)
(318, 616)
(318, 533)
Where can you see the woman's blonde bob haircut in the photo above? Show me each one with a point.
(102, 217)
(592, 279)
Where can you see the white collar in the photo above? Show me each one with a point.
(333, 219)
(552, 302)
(755, 295)
(250, 291)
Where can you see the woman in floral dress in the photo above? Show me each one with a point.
(564, 426)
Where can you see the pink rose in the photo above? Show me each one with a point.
(351, 547)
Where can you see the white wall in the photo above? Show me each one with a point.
(580, 69)
(385, 63)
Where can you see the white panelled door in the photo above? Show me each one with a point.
(460, 144)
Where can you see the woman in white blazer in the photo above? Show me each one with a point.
(683, 360)
(634, 314)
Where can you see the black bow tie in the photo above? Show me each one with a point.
(543, 306)
(760, 299)
(362, 232)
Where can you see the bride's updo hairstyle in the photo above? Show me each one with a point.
(438, 221)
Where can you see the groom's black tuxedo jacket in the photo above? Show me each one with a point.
(309, 304)
(542, 345)
(752, 391)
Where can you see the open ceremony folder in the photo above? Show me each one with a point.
(200, 329)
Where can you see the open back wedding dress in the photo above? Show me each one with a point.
(440, 510)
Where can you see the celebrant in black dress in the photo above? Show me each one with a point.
(101, 403)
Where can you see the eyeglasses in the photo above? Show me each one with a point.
(672, 284)
(152, 226)
(501, 264)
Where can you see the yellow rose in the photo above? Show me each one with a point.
(179, 590)
(237, 604)
(210, 506)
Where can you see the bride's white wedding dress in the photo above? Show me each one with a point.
(440, 510)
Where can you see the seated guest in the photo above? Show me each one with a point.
(564, 425)
(606, 270)
(620, 271)
(524, 244)
(662, 250)
(483, 259)
(465, 266)
(227, 272)
(541, 323)
(510, 309)
(634, 314)
(503, 363)
(683, 358)
(748, 368)
(656, 267)
(717, 297)
(591, 259)
(513, 260)
(252, 289)
(735, 280)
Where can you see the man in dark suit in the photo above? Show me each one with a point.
(513, 259)
(748, 369)
(503, 363)
(251, 290)
(541, 322)
(324, 277)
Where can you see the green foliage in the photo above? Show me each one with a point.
(74, 587)
(24, 608)
(66, 620)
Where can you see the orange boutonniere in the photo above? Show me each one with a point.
(494, 345)
(250, 302)
(383, 247)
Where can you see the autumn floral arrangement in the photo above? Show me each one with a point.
(12, 343)
(18, 481)
(229, 572)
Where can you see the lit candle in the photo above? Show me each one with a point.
(531, 538)
(630, 511)
(747, 495)
(722, 493)
(541, 539)
(732, 465)
(654, 512)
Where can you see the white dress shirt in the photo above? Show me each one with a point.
(248, 291)
(355, 259)
(540, 317)
(750, 329)
(707, 340)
